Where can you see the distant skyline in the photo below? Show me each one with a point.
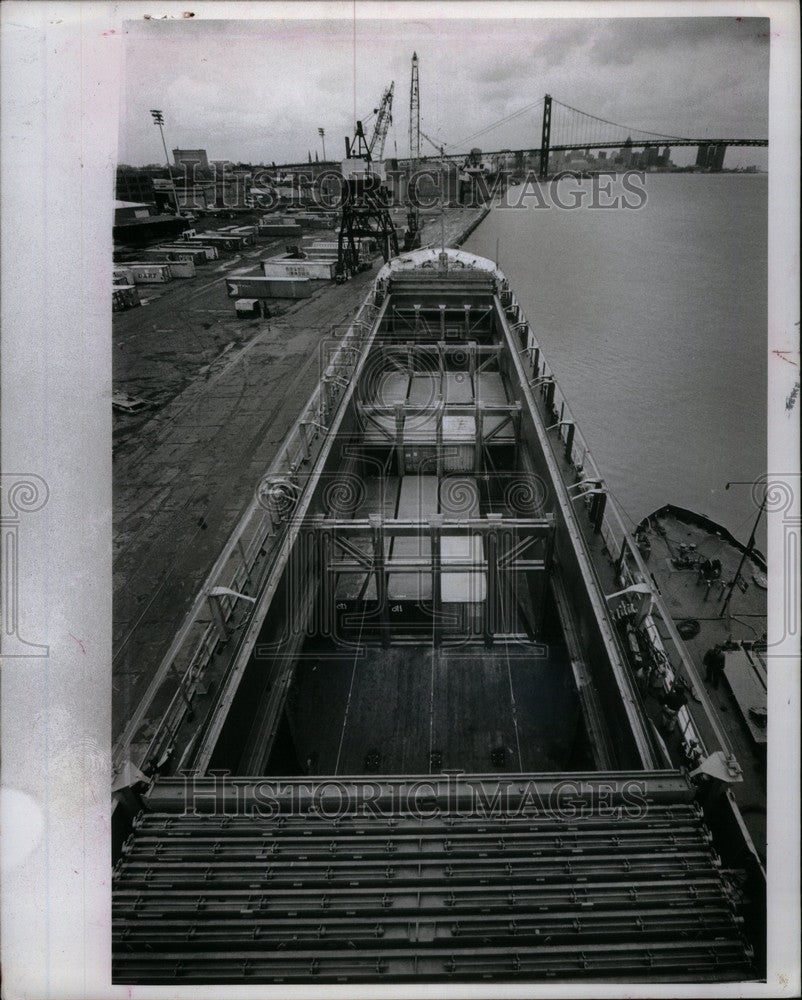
(257, 91)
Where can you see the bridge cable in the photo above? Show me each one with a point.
(626, 128)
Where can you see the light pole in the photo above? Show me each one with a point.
(747, 550)
(322, 133)
(158, 119)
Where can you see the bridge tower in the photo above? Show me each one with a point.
(545, 138)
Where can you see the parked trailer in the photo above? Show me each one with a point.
(149, 272)
(124, 297)
(221, 241)
(246, 233)
(284, 266)
(249, 308)
(195, 255)
(122, 276)
(181, 268)
(256, 287)
(279, 229)
(190, 247)
(319, 248)
(312, 221)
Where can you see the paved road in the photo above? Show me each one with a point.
(182, 481)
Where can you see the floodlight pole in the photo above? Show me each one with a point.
(158, 119)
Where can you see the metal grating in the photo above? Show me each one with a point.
(594, 892)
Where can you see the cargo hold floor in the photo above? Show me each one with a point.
(417, 709)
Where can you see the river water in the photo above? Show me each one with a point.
(654, 321)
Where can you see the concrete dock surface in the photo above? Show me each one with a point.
(223, 394)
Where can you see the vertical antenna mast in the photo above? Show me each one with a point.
(414, 112)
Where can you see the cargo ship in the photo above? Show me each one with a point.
(409, 738)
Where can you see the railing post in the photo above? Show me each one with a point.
(569, 441)
(215, 604)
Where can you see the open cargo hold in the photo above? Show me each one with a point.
(433, 602)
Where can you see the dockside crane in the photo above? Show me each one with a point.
(365, 212)
(384, 119)
(412, 234)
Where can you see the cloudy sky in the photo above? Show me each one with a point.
(257, 91)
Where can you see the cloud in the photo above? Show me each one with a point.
(626, 42)
(258, 91)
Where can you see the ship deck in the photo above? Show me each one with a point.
(743, 686)
(433, 600)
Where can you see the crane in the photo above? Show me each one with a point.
(414, 112)
(438, 146)
(365, 201)
(412, 234)
(384, 118)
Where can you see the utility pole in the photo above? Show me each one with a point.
(747, 551)
(322, 133)
(158, 119)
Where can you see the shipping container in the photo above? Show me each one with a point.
(122, 275)
(191, 247)
(246, 308)
(283, 266)
(124, 297)
(224, 241)
(278, 229)
(269, 288)
(181, 268)
(149, 272)
(196, 255)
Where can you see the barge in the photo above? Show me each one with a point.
(404, 734)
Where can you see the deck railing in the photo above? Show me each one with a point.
(623, 551)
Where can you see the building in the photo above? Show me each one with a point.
(710, 156)
(134, 185)
(190, 156)
(128, 211)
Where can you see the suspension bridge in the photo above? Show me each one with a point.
(565, 129)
